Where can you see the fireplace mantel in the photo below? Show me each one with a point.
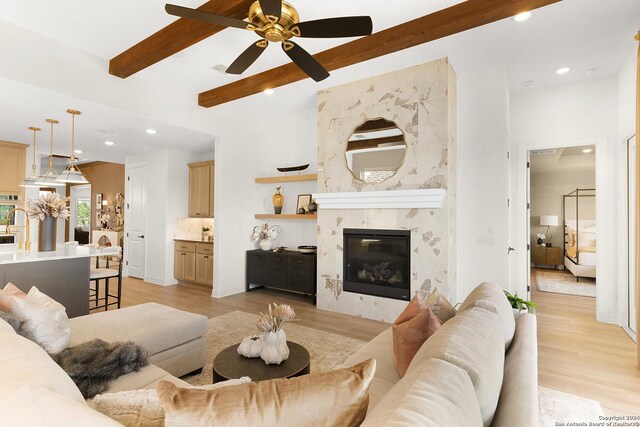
(392, 199)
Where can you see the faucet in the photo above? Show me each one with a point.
(27, 242)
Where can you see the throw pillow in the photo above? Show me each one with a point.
(45, 320)
(334, 398)
(410, 331)
(142, 408)
(440, 306)
(7, 294)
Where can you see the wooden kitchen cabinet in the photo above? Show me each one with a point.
(201, 182)
(193, 262)
(12, 164)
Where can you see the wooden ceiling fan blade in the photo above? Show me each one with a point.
(305, 61)
(272, 8)
(347, 26)
(248, 57)
(210, 18)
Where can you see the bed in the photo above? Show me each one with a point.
(580, 234)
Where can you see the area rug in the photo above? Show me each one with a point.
(327, 350)
(565, 283)
(558, 408)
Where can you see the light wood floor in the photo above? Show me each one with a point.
(577, 354)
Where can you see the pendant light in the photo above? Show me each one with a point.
(49, 178)
(31, 180)
(72, 174)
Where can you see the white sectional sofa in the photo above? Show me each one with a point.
(479, 369)
(35, 391)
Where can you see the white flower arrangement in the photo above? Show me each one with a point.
(265, 232)
(50, 204)
(275, 319)
(541, 236)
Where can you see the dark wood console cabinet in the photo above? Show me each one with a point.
(288, 271)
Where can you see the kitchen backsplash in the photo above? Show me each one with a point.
(191, 228)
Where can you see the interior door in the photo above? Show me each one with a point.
(528, 224)
(632, 183)
(136, 217)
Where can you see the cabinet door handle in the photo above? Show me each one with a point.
(206, 257)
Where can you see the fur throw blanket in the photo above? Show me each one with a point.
(92, 365)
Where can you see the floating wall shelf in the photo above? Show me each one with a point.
(290, 178)
(286, 216)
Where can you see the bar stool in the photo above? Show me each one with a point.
(105, 273)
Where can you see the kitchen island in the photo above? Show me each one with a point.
(62, 274)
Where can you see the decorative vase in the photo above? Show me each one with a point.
(312, 207)
(517, 313)
(278, 201)
(540, 241)
(250, 346)
(47, 233)
(265, 244)
(274, 347)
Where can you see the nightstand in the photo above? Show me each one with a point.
(541, 255)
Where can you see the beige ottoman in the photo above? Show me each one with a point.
(174, 338)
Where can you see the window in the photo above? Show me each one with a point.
(83, 209)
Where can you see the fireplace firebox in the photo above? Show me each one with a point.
(377, 262)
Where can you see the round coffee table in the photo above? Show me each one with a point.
(229, 364)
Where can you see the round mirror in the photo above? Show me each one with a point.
(375, 151)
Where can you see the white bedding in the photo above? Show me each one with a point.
(588, 259)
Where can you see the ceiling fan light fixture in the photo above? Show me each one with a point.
(72, 174)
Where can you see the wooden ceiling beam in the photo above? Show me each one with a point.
(446, 22)
(174, 38)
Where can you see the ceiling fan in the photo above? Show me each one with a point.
(278, 21)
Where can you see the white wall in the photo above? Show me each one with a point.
(581, 113)
(483, 142)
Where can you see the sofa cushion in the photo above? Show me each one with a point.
(25, 362)
(473, 341)
(155, 327)
(147, 377)
(37, 406)
(440, 306)
(381, 349)
(519, 395)
(334, 398)
(435, 394)
(410, 330)
(491, 297)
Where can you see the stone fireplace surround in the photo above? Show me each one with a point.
(421, 100)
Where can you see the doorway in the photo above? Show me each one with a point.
(80, 219)
(632, 209)
(136, 223)
(562, 222)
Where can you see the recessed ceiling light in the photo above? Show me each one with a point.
(151, 131)
(77, 151)
(109, 143)
(591, 70)
(563, 70)
(522, 16)
(528, 83)
(268, 91)
(587, 150)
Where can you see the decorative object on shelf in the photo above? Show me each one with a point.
(99, 201)
(274, 340)
(47, 209)
(549, 221)
(519, 305)
(312, 207)
(250, 346)
(72, 174)
(541, 238)
(293, 168)
(308, 249)
(32, 180)
(303, 203)
(50, 177)
(265, 234)
(278, 201)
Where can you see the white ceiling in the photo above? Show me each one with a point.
(571, 159)
(581, 34)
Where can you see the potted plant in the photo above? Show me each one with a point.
(207, 232)
(519, 305)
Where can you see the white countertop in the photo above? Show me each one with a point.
(63, 252)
